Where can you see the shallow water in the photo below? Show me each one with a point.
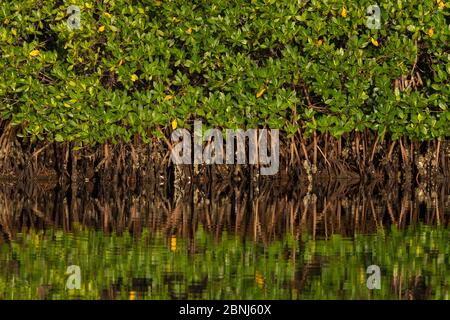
(239, 242)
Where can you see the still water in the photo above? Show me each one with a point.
(233, 242)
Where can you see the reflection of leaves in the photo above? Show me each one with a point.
(326, 264)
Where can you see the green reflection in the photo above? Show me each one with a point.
(414, 264)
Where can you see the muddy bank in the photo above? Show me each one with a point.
(361, 156)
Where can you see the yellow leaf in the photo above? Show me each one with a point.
(374, 42)
(260, 92)
(259, 279)
(101, 29)
(175, 19)
(441, 4)
(174, 126)
(173, 243)
(132, 295)
(344, 12)
(34, 53)
(107, 14)
(134, 77)
(189, 30)
(319, 42)
(167, 98)
(6, 21)
(120, 62)
(430, 32)
(14, 32)
(157, 3)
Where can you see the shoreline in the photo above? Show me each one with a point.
(361, 156)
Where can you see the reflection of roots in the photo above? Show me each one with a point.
(333, 208)
(413, 289)
(7, 209)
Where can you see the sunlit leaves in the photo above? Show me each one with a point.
(231, 64)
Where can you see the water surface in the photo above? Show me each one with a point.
(232, 243)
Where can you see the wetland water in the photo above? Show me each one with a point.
(237, 242)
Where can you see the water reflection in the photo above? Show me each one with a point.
(274, 241)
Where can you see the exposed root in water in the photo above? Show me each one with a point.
(12, 157)
(361, 156)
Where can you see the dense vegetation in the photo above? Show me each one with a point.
(136, 66)
(415, 264)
